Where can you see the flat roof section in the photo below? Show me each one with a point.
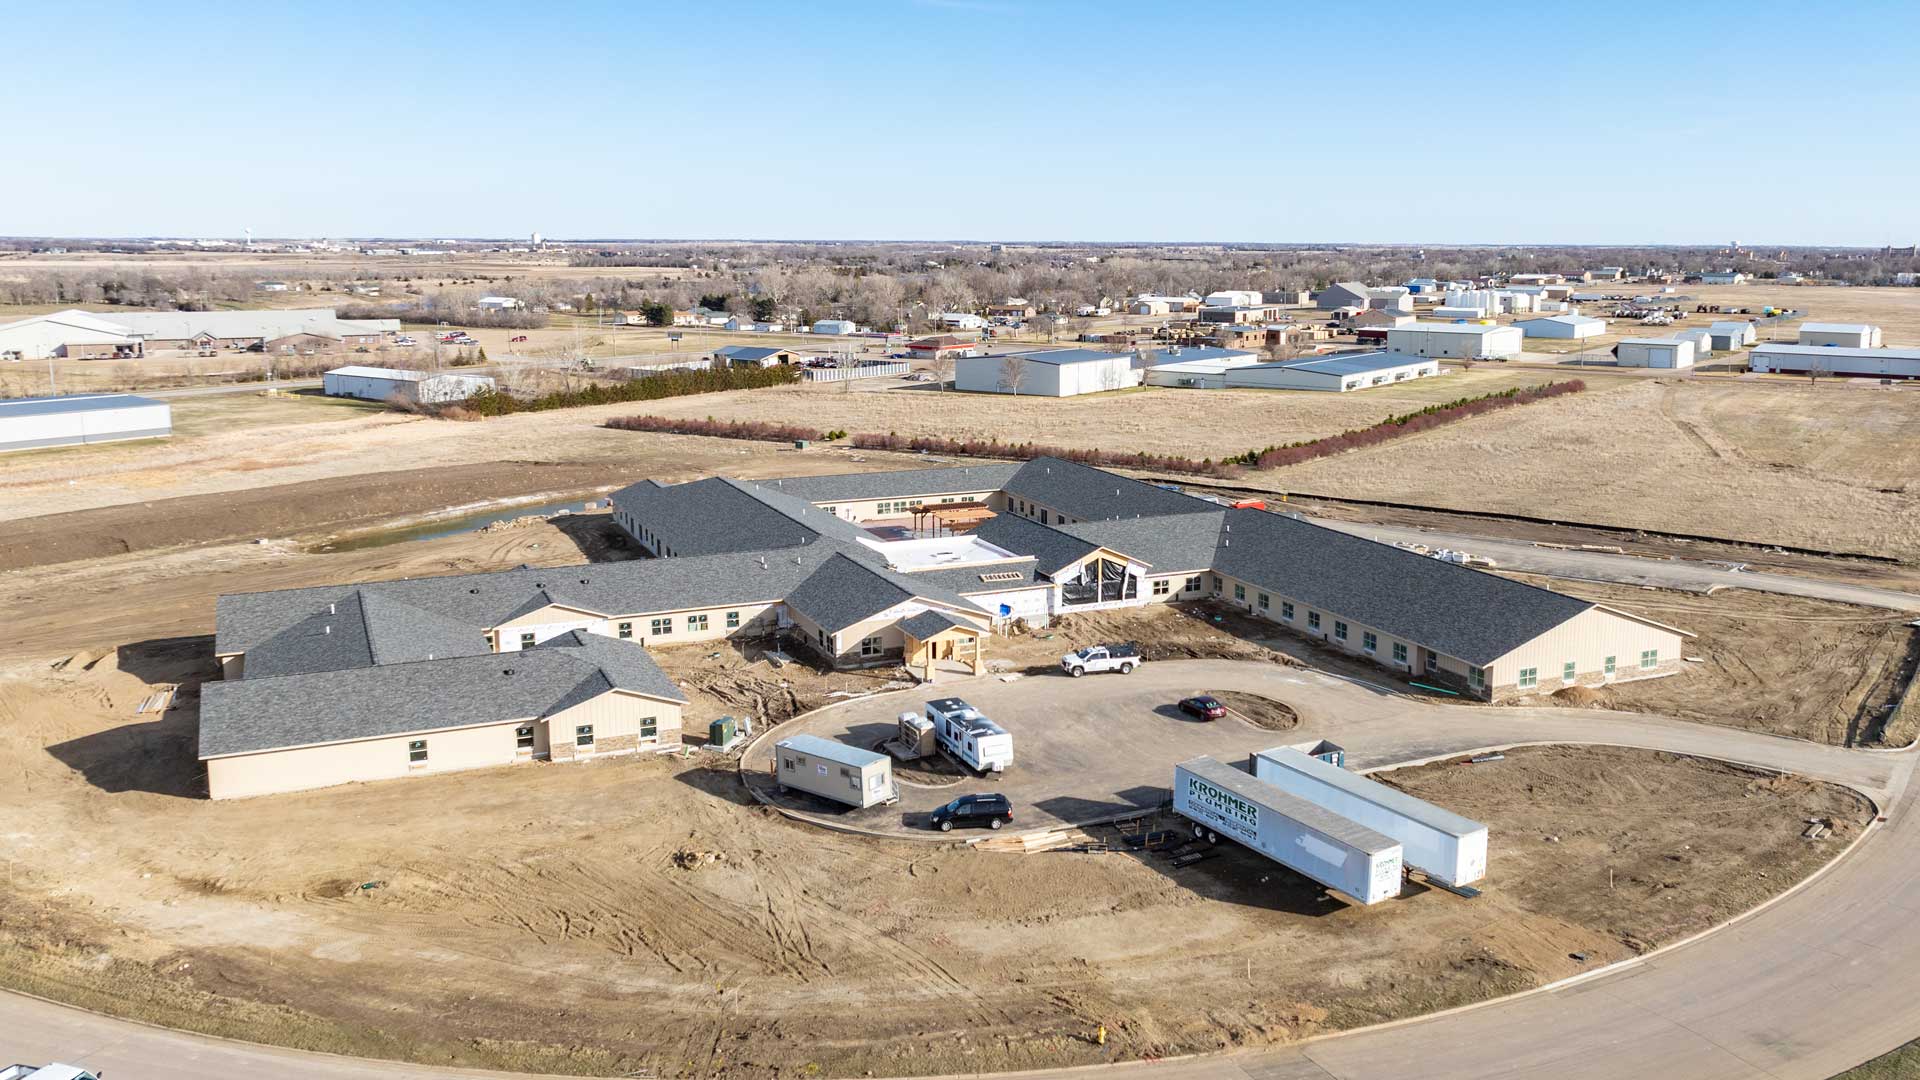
(71, 403)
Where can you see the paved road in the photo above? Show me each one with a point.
(1811, 985)
(1631, 569)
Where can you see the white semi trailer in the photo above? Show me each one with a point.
(1341, 854)
(1449, 848)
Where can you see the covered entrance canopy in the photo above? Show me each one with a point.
(933, 636)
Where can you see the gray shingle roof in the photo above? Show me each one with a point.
(1460, 612)
(891, 485)
(1090, 494)
(928, 623)
(308, 709)
(710, 516)
(1050, 547)
(1168, 545)
(843, 592)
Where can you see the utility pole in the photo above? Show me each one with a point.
(51, 388)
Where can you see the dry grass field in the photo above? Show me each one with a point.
(1829, 467)
(1196, 423)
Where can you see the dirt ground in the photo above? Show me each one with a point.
(639, 913)
(1826, 467)
(1804, 668)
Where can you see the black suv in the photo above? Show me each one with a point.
(976, 811)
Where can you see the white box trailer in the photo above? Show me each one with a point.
(967, 734)
(834, 770)
(1336, 852)
(1451, 849)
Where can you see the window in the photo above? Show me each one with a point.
(1477, 678)
(1339, 630)
(526, 641)
(696, 623)
(1369, 641)
(583, 735)
(417, 752)
(1162, 587)
(1240, 592)
(1193, 584)
(1313, 620)
(1649, 658)
(733, 620)
(1529, 678)
(523, 737)
(1043, 517)
(1263, 601)
(870, 646)
(821, 633)
(649, 727)
(1216, 583)
(1399, 652)
(661, 627)
(1608, 667)
(626, 629)
(1569, 671)
(1286, 610)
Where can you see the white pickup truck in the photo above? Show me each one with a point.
(1098, 658)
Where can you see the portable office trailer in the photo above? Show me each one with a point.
(834, 770)
(379, 384)
(967, 734)
(67, 419)
(1448, 847)
(1332, 850)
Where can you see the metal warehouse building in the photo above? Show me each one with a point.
(1801, 359)
(1456, 341)
(1048, 373)
(1654, 353)
(70, 419)
(1355, 371)
(1563, 326)
(423, 387)
(1845, 335)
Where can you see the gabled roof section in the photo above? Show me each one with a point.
(1090, 494)
(1189, 542)
(1051, 548)
(928, 623)
(318, 707)
(904, 483)
(1461, 612)
(714, 515)
(843, 592)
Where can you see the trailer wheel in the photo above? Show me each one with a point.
(1199, 831)
(947, 825)
(1212, 837)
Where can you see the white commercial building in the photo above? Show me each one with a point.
(1572, 327)
(1232, 298)
(1654, 353)
(420, 387)
(74, 334)
(1354, 371)
(835, 326)
(961, 320)
(1456, 341)
(1845, 335)
(1728, 336)
(1835, 360)
(498, 303)
(1196, 368)
(1701, 337)
(1046, 373)
(70, 419)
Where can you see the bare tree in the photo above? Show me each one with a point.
(1013, 373)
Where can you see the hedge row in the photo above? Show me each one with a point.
(719, 429)
(651, 388)
(994, 448)
(1274, 457)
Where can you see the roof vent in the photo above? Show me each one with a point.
(329, 609)
(506, 671)
(475, 592)
(326, 629)
(583, 581)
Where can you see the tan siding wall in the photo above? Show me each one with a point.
(279, 771)
(616, 720)
(1588, 639)
(755, 620)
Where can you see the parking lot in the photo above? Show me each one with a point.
(1085, 750)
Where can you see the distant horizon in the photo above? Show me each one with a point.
(890, 120)
(1754, 246)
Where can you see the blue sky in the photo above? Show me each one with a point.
(1770, 123)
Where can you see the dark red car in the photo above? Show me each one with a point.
(1203, 706)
